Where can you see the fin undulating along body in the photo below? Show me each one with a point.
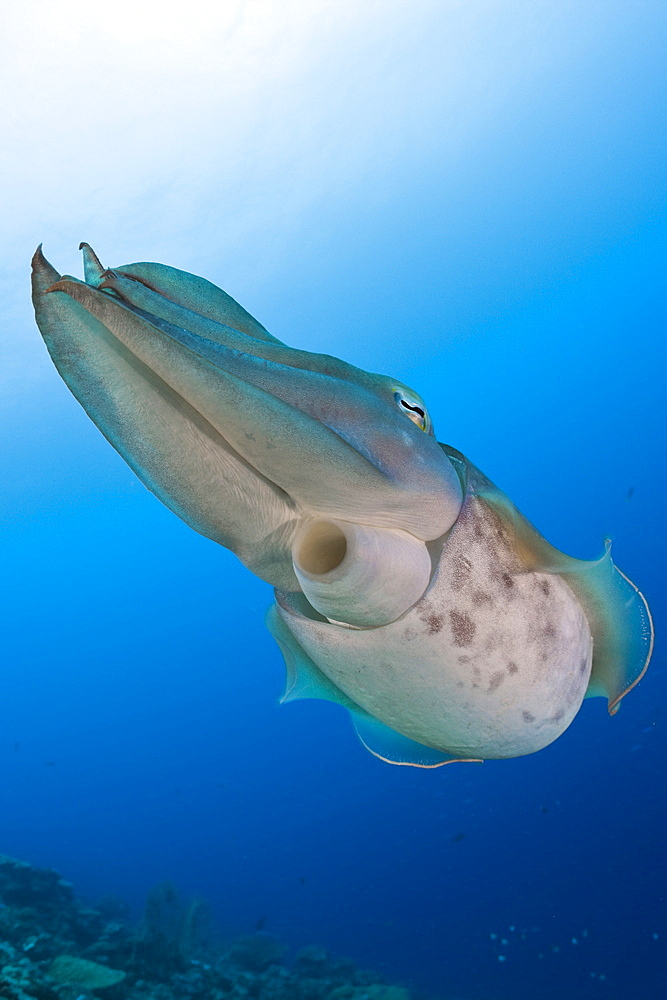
(409, 589)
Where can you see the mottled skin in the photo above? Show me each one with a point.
(493, 661)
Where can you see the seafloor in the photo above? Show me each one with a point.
(53, 947)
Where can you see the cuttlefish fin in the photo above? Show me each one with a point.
(618, 615)
(394, 748)
(306, 680)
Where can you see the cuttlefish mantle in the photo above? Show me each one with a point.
(409, 589)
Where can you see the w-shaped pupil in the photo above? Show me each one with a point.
(415, 409)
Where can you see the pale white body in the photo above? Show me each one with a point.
(493, 660)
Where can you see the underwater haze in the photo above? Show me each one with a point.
(469, 197)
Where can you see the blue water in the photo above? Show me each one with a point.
(520, 288)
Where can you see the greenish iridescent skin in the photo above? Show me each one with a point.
(248, 441)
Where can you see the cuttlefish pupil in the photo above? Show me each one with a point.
(409, 589)
(414, 410)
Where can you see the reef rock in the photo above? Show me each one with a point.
(54, 948)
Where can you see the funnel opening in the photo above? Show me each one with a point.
(320, 549)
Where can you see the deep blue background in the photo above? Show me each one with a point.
(140, 737)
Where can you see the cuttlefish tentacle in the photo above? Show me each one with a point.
(409, 589)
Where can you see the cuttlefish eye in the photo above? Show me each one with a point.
(414, 409)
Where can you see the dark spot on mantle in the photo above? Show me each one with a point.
(545, 587)
(528, 717)
(512, 667)
(463, 628)
(508, 582)
(434, 623)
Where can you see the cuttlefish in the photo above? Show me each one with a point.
(408, 588)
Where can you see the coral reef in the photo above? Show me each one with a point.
(73, 971)
(52, 947)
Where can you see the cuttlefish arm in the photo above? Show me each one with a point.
(180, 290)
(175, 451)
(408, 588)
(239, 435)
